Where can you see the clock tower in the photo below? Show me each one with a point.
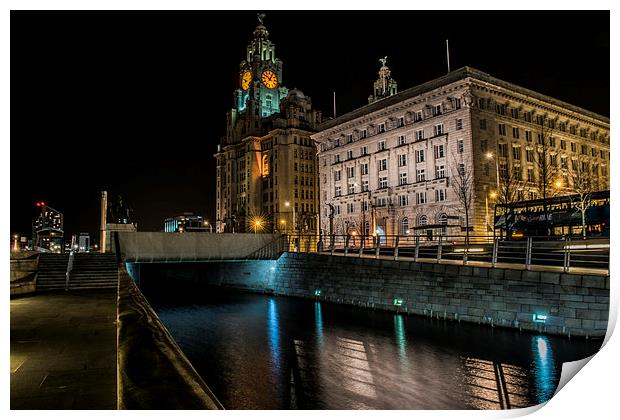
(266, 173)
(260, 89)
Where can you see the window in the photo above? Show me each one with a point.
(502, 129)
(515, 132)
(349, 138)
(516, 152)
(584, 149)
(402, 140)
(540, 120)
(422, 220)
(527, 116)
(350, 207)
(337, 191)
(483, 145)
(564, 162)
(583, 132)
(336, 158)
(483, 124)
(337, 209)
(364, 169)
(364, 150)
(440, 171)
(593, 152)
(365, 185)
(437, 110)
(337, 176)
(419, 134)
(460, 148)
(381, 202)
(402, 178)
(420, 197)
(438, 129)
(383, 183)
(401, 121)
(552, 141)
(529, 155)
(383, 164)
(459, 124)
(402, 160)
(530, 175)
(439, 151)
(294, 166)
(418, 116)
(563, 144)
(481, 103)
(500, 109)
(382, 128)
(603, 154)
(419, 156)
(573, 129)
(573, 147)
(351, 172)
(420, 175)
(442, 219)
(404, 226)
(440, 195)
(349, 154)
(403, 200)
(363, 134)
(365, 208)
(502, 149)
(514, 113)
(528, 136)
(461, 169)
(381, 145)
(351, 188)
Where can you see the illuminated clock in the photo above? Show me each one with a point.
(246, 79)
(269, 79)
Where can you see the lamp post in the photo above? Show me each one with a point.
(288, 204)
(489, 156)
(15, 238)
(283, 223)
(492, 195)
(257, 224)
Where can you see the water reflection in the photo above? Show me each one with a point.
(401, 338)
(544, 368)
(272, 352)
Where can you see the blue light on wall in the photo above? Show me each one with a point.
(317, 292)
(274, 332)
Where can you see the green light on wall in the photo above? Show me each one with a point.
(540, 318)
(317, 292)
(398, 302)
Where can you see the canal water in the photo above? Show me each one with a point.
(263, 352)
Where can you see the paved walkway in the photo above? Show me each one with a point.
(63, 351)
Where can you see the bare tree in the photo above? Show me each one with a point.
(463, 185)
(583, 186)
(509, 183)
(547, 171)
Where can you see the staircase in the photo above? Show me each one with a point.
(90, 271)
(94, 271)
(51, 272)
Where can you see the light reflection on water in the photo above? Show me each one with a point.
(256, 351)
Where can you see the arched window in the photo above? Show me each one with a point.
(442, 219)
(265, 165)
(367, 229)
(404, 226)
(422, 220)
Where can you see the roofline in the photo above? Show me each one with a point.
(456, 75)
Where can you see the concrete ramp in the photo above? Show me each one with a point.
(199, 246)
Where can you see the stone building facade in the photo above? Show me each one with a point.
(266, 174)
(393, 166)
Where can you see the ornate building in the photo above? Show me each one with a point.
(399, 164)
(266, 163)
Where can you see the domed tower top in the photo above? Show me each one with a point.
(384, 86)
(261, 47)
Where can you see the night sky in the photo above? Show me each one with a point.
(135, 102)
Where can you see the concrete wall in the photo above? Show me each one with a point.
(574, 304)
(24, 267)
(191, 246)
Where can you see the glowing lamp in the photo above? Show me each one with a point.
(398, 302)
(539, 318)
(317, 292)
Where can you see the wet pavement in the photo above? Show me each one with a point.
(63, 351)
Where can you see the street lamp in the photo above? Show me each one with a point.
(288, 204)
(492, 195)
(558, 183)
(257, 224)
(489, 156)
(15, 237)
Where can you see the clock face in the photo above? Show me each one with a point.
(269, 79)
(246, 79)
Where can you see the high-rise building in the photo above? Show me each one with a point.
(266, 163)
(48, 230)
(187, 222)
(399, 164)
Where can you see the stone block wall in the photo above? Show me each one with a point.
(573, 304)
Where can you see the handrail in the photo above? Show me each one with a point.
(69, 270)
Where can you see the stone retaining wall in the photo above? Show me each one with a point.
(573, 304)
(24, 268)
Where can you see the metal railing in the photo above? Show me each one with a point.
(563, 253)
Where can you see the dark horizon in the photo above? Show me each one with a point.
(134, 102)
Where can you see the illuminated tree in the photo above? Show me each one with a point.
(547, 171)
(584, 184)
(463, 186)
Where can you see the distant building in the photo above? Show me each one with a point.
(84, 242)
(48, 230)
(187, 222)
(266, 163)
(390, 167)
